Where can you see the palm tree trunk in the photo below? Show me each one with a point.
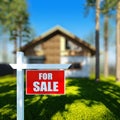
(97, 40)
(118, 43)
(106, 66)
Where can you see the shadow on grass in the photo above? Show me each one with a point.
(7, 98)
(104, 92)
(44, 107)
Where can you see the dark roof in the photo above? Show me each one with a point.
(5, 69)
(59, 31)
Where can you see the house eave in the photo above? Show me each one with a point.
(59, 31)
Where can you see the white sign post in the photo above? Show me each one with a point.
(20, 87)
(20, 79)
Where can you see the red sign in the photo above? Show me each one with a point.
(45, 82)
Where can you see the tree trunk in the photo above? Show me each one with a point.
(20, 39)
(118, 43)
(106, 66)
(4, 49)
(97, 40)
(15, 49)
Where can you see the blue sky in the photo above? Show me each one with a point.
(70, 14)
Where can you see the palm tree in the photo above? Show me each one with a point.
(118, 42)
(97, 40)
(105, 11)
(96, 3)
(106, 66)
(110, 5)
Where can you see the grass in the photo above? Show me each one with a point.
(84, 100)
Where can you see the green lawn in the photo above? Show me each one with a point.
(84, 100)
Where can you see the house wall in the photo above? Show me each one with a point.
(62, 44)
(83, 72)
(52, 50)
(34, 51)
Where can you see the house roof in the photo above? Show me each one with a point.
(59, 31)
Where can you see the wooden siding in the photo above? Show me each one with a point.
(52, 50)
(83, 52)
(32, 52)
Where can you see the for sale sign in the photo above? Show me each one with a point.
(45, 82)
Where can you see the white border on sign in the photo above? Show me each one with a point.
(46, 93)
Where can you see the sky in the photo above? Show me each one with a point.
(70, 14)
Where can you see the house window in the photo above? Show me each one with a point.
(40, 59)
(76, 66)
(67, 45)
(71, 46)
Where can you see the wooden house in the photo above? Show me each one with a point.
(60, 46)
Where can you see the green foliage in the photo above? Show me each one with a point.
(84, 100)
(108, 5)
(19, 27)
(14, 18)
(13, 12)
(90, 2)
